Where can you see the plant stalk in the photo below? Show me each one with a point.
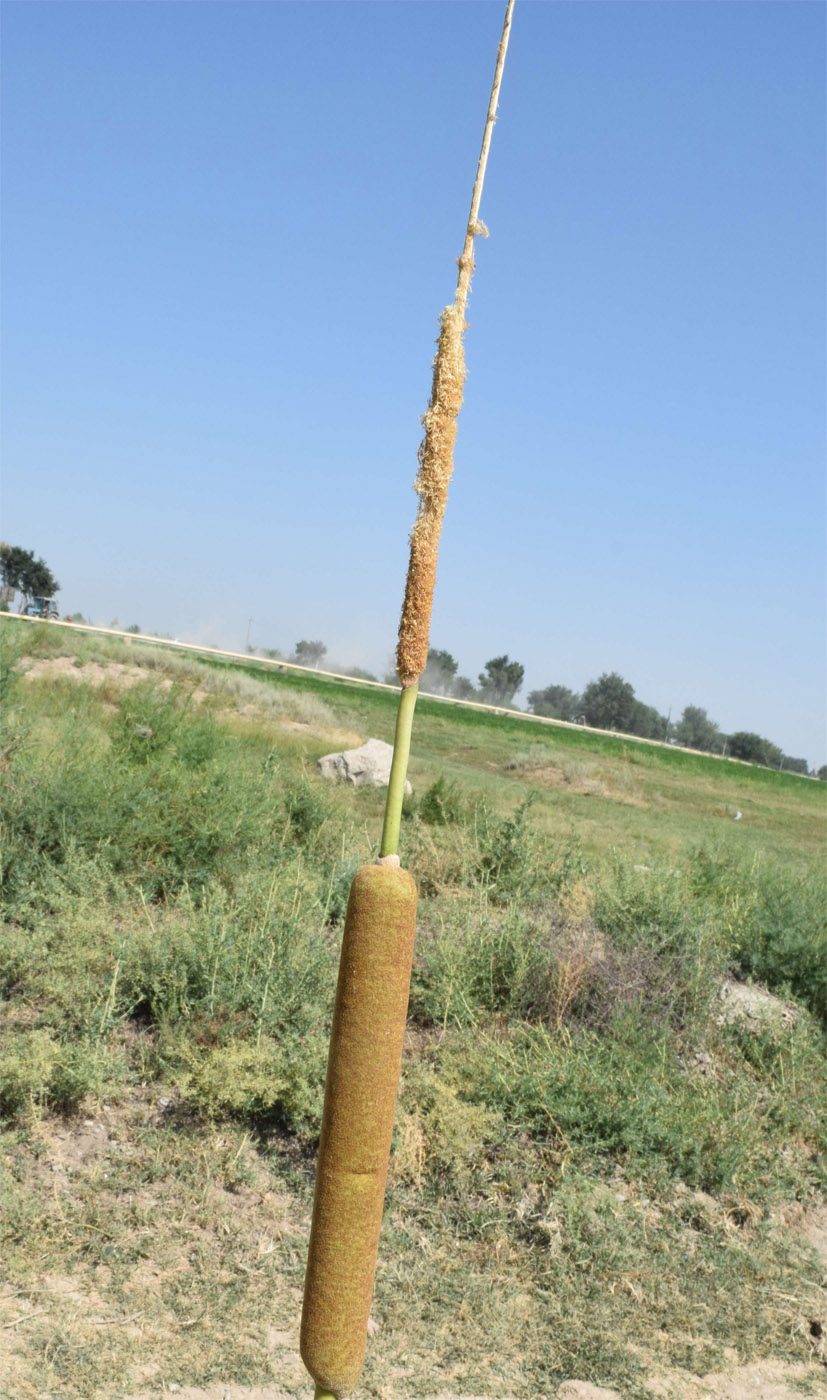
(436, 465)
(399, 771)
(466, 261)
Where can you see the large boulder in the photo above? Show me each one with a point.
(368, 766)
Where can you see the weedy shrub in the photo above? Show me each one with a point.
(338, 890)
(447, 1133)
(173, 804)
(440, 857)
(255, 962)
(772, 923)
(475, 959)
(58, 951)
(547, 961)
(54, 800)
(148, 721)
(669, 990)
(512, 862)
(442, 803)
(12, 651)
(38, 1071)
(184, 829)
(630, 1096)
(783, 940)
(663, 955)
(266, 1082)
(577, 959)
(455, 842)
(306, 810)
(650, 907)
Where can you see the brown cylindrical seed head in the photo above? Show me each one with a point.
(360, 1097)
(436, 463)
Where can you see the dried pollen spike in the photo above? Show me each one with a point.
(436, 464)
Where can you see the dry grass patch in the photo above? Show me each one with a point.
(615, 781)
(145, 1249)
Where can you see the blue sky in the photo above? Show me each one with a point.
(229, 231)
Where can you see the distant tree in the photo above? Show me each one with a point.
(500, 680)
(21, 573)
(440, 672)
(822, 773)
(309, 653)
(556, 702)
(775, 756)
(13, 562)
(463, 688)
(272, 653)
(695, 730)
(359, 674)
(647, 722)
(609, 702)
(38, 581)
(134, 629)
(753, 748)
(795, 765)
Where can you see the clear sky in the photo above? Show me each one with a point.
(229, 229)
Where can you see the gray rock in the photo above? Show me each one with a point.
(368, 766)
(754, 1008)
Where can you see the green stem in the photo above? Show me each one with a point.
(399, 771)
(322, 1394)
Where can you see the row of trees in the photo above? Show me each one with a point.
(304, 653)
(610, 703)
(21, 572)
(606, 703)
(496, 685)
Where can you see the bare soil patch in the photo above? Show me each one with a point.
(765, 1380)
(160, 1247)
(95, 673)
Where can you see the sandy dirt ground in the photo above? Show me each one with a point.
(766, 1380)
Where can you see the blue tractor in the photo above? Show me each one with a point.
(41, 607)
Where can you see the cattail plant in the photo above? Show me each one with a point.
(377, 949)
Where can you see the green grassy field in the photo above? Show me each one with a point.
(596, 1173)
